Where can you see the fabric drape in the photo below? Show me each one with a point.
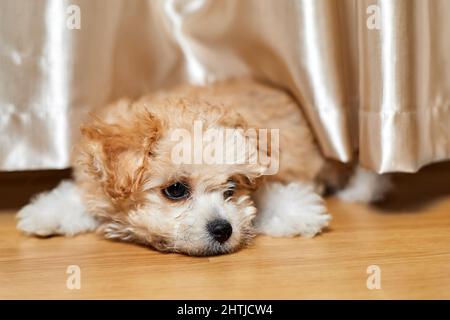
(372, 76)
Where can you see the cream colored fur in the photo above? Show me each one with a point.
(123, 164)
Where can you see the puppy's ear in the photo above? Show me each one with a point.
(116, 153)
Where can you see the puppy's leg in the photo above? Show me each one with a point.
(365, 186)
(290, 210)
(60, 211)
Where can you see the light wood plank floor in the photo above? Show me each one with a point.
(408, 237)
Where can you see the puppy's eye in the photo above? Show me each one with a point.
(230, 190)
(176, 191)
(228, 193)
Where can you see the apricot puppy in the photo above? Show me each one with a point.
(196, 170)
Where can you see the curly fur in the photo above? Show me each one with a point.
(123, 162)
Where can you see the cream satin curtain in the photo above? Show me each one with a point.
(370, 75)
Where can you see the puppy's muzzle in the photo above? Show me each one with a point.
(220, 230)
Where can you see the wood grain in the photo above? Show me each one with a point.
(409, 242)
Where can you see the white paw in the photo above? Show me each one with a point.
(59, 211)
(365, 186)
(290, 210)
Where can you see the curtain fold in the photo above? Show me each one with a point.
(405, 85)
(371, 76)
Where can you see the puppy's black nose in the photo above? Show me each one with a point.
(220, 230)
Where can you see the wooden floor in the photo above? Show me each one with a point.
(408, 238)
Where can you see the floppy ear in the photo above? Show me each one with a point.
(117, 153)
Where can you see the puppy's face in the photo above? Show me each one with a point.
(140, 194)
(198, 211)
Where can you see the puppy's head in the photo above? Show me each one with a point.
(140, 193)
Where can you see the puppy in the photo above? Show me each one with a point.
(129, 183)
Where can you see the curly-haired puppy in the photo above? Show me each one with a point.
(132, 181)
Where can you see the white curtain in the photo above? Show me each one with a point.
(372, 76)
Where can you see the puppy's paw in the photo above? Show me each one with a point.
(365, 186)
(290, 210)
(58, 212)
